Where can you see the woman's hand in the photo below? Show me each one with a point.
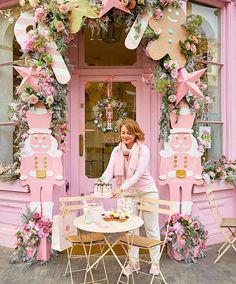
(118, 192)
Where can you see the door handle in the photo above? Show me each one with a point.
(81, 145)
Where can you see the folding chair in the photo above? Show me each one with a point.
(87, 241)
(149, 205)
(222, 223)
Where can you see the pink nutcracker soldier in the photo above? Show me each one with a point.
(109, 114)
(41, 165)
(180, 165)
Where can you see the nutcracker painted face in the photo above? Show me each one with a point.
(181, 142)
(40, 142)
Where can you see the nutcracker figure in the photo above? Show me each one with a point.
(109, 115)
(180, 165)
(41, 165)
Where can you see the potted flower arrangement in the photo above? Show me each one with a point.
(35, 229)
(186, 238)
(220, 170)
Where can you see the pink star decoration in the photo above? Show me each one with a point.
(30, 77)
(109, 4)
(187, 82)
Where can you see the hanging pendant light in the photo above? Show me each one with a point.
(113, 32)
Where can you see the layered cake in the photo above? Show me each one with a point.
(102, 189)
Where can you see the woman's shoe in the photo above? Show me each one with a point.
(130, 268)
(154, 270)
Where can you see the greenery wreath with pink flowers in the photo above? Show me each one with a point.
(100, 117)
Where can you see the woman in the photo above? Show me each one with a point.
(129, 164)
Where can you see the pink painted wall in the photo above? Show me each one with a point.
(13, 201)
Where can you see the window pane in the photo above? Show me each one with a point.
(210, 32)
(99, 144)
(216, 144)
(100, 52)
(6, 89)
(210, 27)
(214, 87)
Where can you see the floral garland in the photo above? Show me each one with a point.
(186, 238)
(53, 22)
(220, 170)
(100, 114)
(34, 228)
(166, 73)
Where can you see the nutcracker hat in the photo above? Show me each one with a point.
(183, 122)
(39, 119)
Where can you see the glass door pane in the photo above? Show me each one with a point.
(101, 130)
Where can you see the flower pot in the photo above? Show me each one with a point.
(44, 249)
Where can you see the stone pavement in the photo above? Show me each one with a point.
(204, 272)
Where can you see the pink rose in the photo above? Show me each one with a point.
(196, 225)
(172, 98)
(187, 218)
(180, 242)
(69, 38)
(193, 48)
(40, 14)
(59, 26)
(196, 105)
(179, 228)
(158, 14)
(33, 99)
(208, 100)
(36, 216)
(175, 217)
(187, 45)
(63, 9)
(166, 2)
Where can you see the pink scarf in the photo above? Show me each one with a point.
(133, 154)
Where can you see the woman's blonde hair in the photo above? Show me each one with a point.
(134, 128)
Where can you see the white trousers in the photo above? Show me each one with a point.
(151, 221)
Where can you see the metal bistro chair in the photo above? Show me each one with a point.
(87, 241)
(222, 223)
(149, 205)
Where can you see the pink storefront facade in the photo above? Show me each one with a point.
(130, 73)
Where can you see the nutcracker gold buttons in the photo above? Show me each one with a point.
(40, 173)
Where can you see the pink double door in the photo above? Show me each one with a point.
(94, 130)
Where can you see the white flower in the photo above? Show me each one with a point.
(22, 3)
(24, 97)
(50, 100)
(206, 178)
(33, 3)
(1, 169)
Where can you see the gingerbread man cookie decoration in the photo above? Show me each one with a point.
(170, 31)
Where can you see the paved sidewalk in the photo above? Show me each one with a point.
(204, 272)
